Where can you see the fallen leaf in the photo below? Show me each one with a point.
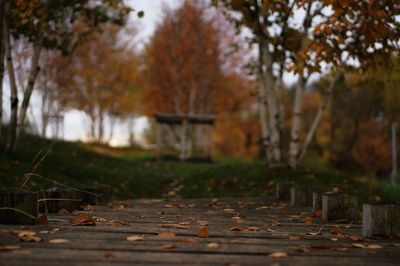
(308, 220)
(340, 249)
(28, 236)
(315, 233)
(278, 255)
(229, 210)
(188, 240)
(9, 247)
(82, 219)
(253, 229)
(321, 246)
(334, 239)
(42, 219)
(212, 245)
(118, 222)
(178, 226)
(302, 249)
(167, 235)
(135, 238)
(317, 214)
(167, 246)
(58, 241)
(359, 245)
(109, 255)
(355, 238)
(203, 232)
(374, 246)
(236, 229)
(294, 237)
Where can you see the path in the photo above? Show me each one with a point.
(241, 232)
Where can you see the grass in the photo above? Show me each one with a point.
(132, 173)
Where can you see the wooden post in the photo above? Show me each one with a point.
(381, 220)
(210, 142)
(18, 199)
(300, 196)
(283, 191)
(55, 199)
(337, 206)
(183, 155)
(317, 201)
(158, 139)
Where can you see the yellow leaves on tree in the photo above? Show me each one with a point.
(372, 149)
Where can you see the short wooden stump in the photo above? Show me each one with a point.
(300, 196)
(18, 199)
(381, 219)
(55, 199)
(338, 206)
(283, 191)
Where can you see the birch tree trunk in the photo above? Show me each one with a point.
(1, 64)
(393, 176)
(317, 119)
(262, 108)
(272, 105)
(297, 117)
(33, 72)
(11, 75)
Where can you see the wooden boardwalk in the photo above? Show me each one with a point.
(254, 231)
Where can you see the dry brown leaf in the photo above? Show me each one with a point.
(302, 249)
(177, 226)
(167, 246)
(317, 214)
(28, 236)
(135, 238)
(359, 245)
(188, 240)
(355, 238)
(118, 222)
(374, 246)
(253, 229)
(315, 233)
(203, 231)
(229, 210)
(278, 255)
(109, 255)
(42, 219)
(308, 220)
(82, 219)
(9, 247)
(58, 241)
(212, 245)
(340, 249)
(270, 230)
(321, 246)
(236, 229)
(167, 235)
(294, 237)
(334, 239)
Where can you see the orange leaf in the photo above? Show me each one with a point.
(167, 235)
(43, 219)
(203, 232)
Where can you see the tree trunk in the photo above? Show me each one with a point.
(37, 48)
(262, 107)
(318, 116)
(297, 117)
(273, 114)
(11, 75)
(1, 65)
(393, 176)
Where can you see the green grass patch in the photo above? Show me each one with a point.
(132, 173)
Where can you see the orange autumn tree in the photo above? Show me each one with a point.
(186, 73)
